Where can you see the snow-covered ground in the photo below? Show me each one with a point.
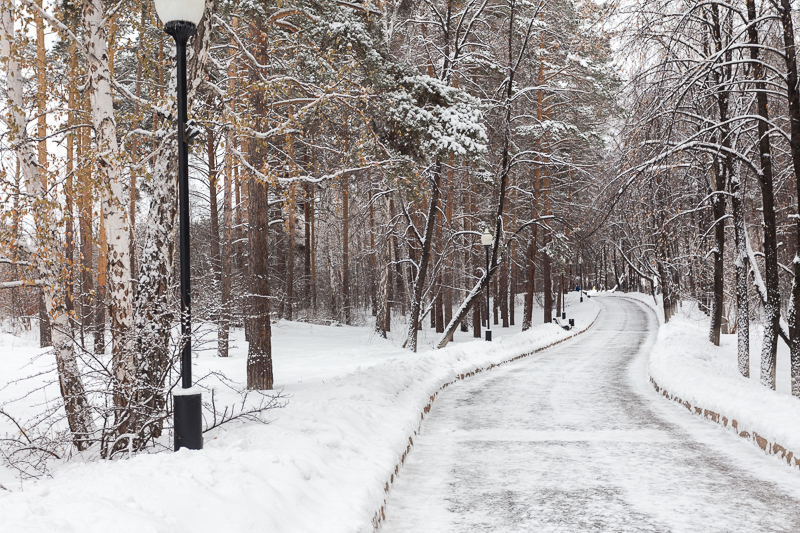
(321, 464)
(684, 363)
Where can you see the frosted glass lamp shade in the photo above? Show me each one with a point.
(486, 238)
(180, 10)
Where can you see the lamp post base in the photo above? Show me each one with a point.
(489, 335)
(188, 411)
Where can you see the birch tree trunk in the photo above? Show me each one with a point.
(114, 213)
(418, 284)
(76, 405)
(742, 281)
(154, 312)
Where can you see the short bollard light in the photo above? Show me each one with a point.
(180, 18)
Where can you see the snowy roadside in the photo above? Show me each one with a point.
(686, 367)
(322, 464)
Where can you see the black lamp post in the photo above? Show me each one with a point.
(486, 241)
(180, 18)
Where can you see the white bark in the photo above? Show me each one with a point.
(119, 288)
(72, 389)
(154, 307)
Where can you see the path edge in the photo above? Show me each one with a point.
(380, 514)
(767, 446)
(770, 448)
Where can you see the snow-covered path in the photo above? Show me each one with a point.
(575, 439)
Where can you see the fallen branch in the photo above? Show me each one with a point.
(22, 283)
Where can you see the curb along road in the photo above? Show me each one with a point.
(380, 514)
(772, 448)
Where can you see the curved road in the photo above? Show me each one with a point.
(575, 439)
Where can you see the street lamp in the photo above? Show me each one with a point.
(580, 265)
(486, 241)
(180, 18)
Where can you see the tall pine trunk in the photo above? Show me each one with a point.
(259, 353)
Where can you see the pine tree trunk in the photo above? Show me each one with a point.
(547, 287)
(373, 285)
(85, 230)
(527, 317)
(213, 178)
(512, 285)
(307, 207)
(223, 330)
(346, 248)
(45, 334)
(559, 307)
(259, 353)
(290, 248)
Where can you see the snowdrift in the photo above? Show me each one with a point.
(323, 463)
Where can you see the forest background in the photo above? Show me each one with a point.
(347, 157)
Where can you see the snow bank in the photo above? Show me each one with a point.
(322, 464)
(686, 367)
